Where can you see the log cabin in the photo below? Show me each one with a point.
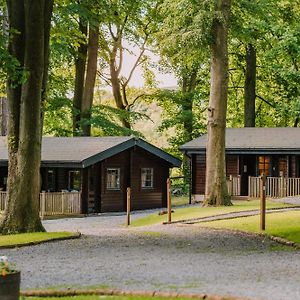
(250, 152)
(101, 169)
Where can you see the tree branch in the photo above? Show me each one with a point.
(266, 101)
(103, 77)
(111, 33)
(137, 62)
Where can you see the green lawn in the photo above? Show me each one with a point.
(197, 211)
(180, 200)
(285, 225)
(110, 298)
(36, 237)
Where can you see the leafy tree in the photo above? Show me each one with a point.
(85, 64)
(182, 43)
(133, 22)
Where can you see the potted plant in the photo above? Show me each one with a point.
(9, 280)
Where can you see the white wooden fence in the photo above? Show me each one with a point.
(64, 203)
(234, 185)
(276, 187)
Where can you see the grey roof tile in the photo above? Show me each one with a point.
(85, 151)
(253, 139)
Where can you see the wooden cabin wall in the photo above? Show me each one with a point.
(95, 195)
(95, 185)
(232, 165)
(62, 178)
(114, 200)
(143, 198)
(293, 172)
(130, 163)
(199, 170)
(198, 174)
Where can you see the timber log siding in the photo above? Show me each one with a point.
(130, 164)
(84, 164)
(245, 166)
(250, 151)
(199, 169)
(96, 197)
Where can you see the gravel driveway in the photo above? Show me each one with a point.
(178, 257)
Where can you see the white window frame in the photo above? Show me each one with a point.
(117, 180)
(144, 178)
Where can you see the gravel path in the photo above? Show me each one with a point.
(295, 200)
(184, 258)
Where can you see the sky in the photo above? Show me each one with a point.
(165, 80)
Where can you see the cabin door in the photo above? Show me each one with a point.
(247, 168)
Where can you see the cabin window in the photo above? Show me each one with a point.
(74, 180)
(147, 177)
(282, 166)
(51, 180)
(113, 179)
(264, 165)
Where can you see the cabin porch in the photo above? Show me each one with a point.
(243, 172)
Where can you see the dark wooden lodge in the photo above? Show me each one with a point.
(102, 168)
(249, 152)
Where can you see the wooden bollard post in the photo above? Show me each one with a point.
(231, 185)
(263, 202)
(128, 205)
(169, 200)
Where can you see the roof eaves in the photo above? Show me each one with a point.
(108, 153)
(247, 150)
(62, 164)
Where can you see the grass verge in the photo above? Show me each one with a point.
(197, 211)
(95, 297)
(285, 225)
(180, 200)
(135, 296)
(26, 239)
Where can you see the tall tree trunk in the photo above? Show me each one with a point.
(216, 189)
(188, 88)
(116, 88)
(31, 19)
(250, 84)
(90, 78)
(80, 65)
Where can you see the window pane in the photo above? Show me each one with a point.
(51, 181)
(74, 180)
(264, 165)
(113, 179)
(147, 177)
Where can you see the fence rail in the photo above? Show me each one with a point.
(234, 185)
(64, 203)
(276, 187)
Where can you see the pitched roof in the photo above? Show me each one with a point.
(82, 152)
(253, 140)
